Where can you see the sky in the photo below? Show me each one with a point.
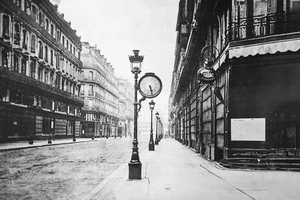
(119, 26)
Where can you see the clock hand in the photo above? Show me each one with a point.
(150, 88)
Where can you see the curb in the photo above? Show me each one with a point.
(43, 145)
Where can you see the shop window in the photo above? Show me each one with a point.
(5, 27)
(33, 44)
(46, 103)
(46, 126)
(24, 66)
(17, 34)
(15, 96)
(61, 107)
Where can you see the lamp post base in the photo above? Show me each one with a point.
(135, 170)
(151, 146)
(156, 142)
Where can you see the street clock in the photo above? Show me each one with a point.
(150, 85)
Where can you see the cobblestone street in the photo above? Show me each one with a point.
(62, 171)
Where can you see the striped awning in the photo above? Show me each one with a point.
(265, 48)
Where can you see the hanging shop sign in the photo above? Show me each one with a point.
(206, 75)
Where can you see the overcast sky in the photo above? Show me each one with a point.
(119, 26)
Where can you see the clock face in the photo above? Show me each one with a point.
(150, 85)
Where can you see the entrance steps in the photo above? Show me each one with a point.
(262, 159)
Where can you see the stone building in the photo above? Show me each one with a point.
(234, 95)
(39, 72)
(100, 92)
(125, 108)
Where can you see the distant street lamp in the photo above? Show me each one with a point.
(151, 142)
(135, 166)
(157, 117)
(74, 136)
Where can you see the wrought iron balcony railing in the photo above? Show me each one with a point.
(264, 25)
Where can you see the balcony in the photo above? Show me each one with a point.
(24, 82)
(266, 34)
(264, 25)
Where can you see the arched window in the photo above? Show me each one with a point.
(47, 25)
(52, 30)
(40, 49)
(33, 12)
(41, 19)
(33, 44)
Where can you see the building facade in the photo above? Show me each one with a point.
(39, 72)
(100, 92)
(125, 108)
(235, 78)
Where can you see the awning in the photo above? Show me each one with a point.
(265, 48)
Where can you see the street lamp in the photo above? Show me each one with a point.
(151, 142)
(157, 117)
(135, 165)
(161, 130)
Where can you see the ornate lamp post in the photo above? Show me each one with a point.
(157, 117)
(135, 166)
(151, 142)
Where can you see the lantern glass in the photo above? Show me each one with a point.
(152, 104)
(136, 66)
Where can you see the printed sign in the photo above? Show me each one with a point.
(248, 129)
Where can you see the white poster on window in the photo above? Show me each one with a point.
(248, 129)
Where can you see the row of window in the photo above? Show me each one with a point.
(21, 37)
(38, 71)
(37, 14)
(22, 97)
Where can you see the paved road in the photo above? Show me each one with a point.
(62, 171)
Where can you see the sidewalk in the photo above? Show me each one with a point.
(39, 143)
(175, 172)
